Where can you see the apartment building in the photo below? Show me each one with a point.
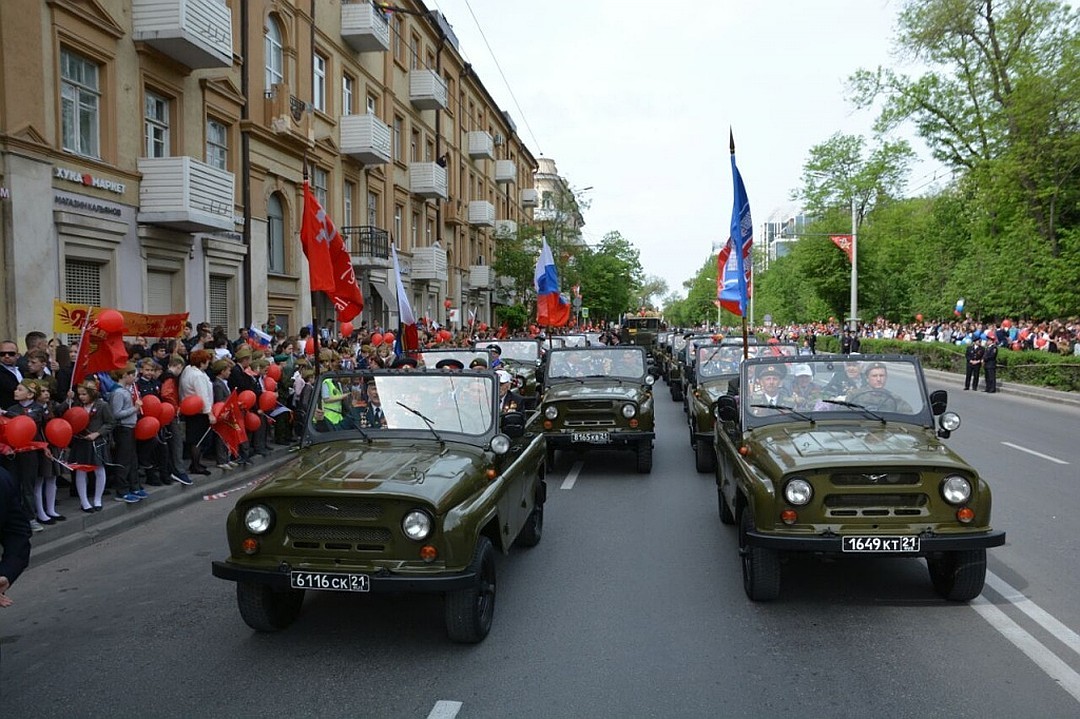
(152, 156)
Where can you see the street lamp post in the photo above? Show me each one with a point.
(854, 269)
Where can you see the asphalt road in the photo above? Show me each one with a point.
(631, 606)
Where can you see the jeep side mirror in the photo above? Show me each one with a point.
(939, 401)
(513, 425)
(733, 387)
(727, 409)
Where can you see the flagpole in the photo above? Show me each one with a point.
(738, 248)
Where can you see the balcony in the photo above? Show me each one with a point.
(364, 27)
(429, 263)
(481, 277)
(185, 194)
(286, 115)
(427, 180)
(427, 91)
(481, 213)
(481, 145)
(452, 213)
(368, 246)
(506, 228)
(196, 33)
(364, 138)
(505, 171)
(545, 214)
(529, 197)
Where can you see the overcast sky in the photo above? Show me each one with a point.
(635, 99)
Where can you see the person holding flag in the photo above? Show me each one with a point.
(551, 309)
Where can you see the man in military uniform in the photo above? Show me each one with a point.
(509, 400)
(990, 362)
(805, 393)
(770, 391)
(875, 396)
(974, 356)
(843, 383)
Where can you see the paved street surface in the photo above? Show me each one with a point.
(631, 606)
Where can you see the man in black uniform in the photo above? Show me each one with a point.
(990, 362)
(14, 535)
(974, 356)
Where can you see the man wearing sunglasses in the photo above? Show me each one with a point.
(10, 376)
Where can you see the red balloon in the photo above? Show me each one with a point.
(110, 322)
(151, 406)
(78, 418)
(274, 372)
(483, 326)
(168, 414)
(447, 303)
(191, 405)
(252, 421)
(147, 427)
(309, 346)
(216, 408)
(59, 432)
(267, 401)
(20, 431)
(346, 329)
(388, 338)
(269, 384)
(247, 399)
(376, 339)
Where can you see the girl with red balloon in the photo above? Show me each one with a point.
(91, 420)
(24, 428)
(58, 436)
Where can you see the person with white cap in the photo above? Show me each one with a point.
(805, 393)
(509, 400)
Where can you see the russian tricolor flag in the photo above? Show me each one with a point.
(259, 336)
(551, 309)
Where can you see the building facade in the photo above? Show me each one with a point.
(152, 157)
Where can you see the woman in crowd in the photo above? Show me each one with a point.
(194, 381)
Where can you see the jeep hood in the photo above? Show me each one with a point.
(801, 447)
(425, 471)
(602, 388)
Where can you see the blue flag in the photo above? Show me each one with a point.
(742, 232)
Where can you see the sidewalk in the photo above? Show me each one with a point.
(1054, 396)
(82, 529)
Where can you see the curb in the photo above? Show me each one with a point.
(1045, 394)
(84, 530)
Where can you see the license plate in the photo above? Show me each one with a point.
(870, 545)
(590, 437)
(330, 582)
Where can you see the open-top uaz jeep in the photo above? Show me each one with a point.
(521, 358)
(844, 458)
(599, 398)
(406, 481)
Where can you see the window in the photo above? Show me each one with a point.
(373, 209)
(217, 145)
(372, 105)
(219, 301)
(318, 82)
(80, 98)
(429, 232)
(414, 51)
(275, 63)
(320, 181)
(275, 219)
(156, 120)
(159, 291)
(429, 151)
(415, 230)
(398, 39)
(83, 285)
(347, 86)
(399, 213)
(399, 150)
(414, 146)
(347, 215)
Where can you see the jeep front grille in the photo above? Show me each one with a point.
(876, 505)
(338, 537)
(873, 479)
(335, 508)
(589, 423)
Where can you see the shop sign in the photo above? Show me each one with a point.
(88, 180)
(77, 203)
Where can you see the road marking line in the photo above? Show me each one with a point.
(1046, 660)
(444, 710)
(1033, 452)
(1041, 617)
(572, 476)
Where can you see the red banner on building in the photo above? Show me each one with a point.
(70, 318)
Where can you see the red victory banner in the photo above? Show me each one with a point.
(844, 243)
(70, 318)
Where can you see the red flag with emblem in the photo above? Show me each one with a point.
(844, 243)
(329, 263)
(230, 424)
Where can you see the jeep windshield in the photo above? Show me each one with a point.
(430, 358)
(622, 363)
(724, 359)
(878, 388)
(381, 404)
(515, 350)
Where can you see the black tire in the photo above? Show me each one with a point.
(551, 459)
(644, 456)
(704, 457)
(958, 576)
(265, 609)
(469, 612)
(726, 515)
(760, 567)
(676, 393)
(533, 530)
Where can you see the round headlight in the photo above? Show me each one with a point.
(798, 492)
(416, 525)
(258, 519)
(551, 411)
(956, 489)
(949, 421)
(500, 444)
(650, 380)
(628, 410)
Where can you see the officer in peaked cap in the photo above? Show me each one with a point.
(404, 362)
(450, 363)
(771, 391)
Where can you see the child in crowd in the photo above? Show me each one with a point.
(27, 463)
(125, 407)
(48, 466)
(89, 448)
(150, 452)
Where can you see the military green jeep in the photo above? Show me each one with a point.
(822, 456)
(521, 357)
(406, 481)
(599, 398)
